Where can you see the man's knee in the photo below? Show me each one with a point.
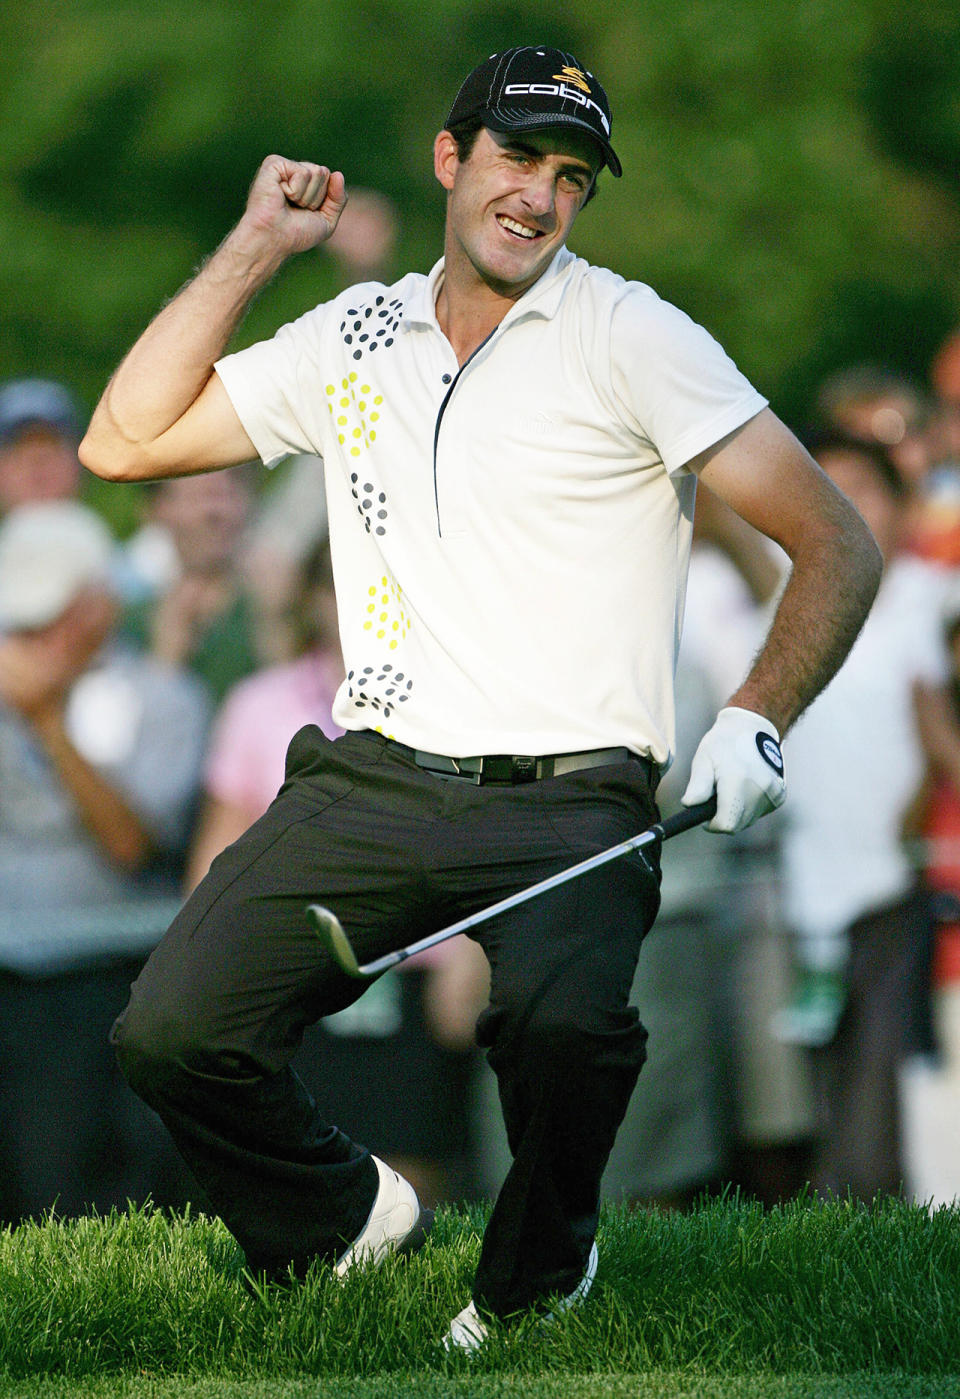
(566, 1037)
(153, 1043)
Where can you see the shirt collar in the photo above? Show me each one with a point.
(542, 299)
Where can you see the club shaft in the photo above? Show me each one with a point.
(683, 820)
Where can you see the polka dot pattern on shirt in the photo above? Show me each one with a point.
(355, 408)
(366, 328)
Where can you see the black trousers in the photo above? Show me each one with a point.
(396, 852)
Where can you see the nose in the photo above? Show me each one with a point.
(539, 194)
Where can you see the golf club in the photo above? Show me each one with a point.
(336, 942)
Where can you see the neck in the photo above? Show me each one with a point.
(467, 324)
(469, 307)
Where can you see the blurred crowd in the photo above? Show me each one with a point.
(801, 986)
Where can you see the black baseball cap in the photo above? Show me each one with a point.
(521, 89)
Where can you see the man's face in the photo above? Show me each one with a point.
(512, 203)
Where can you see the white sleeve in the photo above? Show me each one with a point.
(675, 385)
(273, 387)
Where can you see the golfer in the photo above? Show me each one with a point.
(512, 445)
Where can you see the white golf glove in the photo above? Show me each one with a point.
(740, 759)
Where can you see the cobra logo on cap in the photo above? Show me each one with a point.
(561, 90)
(573, 75)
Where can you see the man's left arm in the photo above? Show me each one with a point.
(772, 482)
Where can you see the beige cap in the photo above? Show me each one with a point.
(49, 552)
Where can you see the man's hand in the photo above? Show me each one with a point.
(31, 679)
(293, 203)
(740, 759)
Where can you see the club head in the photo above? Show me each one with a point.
(333, 939)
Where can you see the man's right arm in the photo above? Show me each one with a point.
(165, 412)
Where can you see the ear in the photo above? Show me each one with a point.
(446, 162)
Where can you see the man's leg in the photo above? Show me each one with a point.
(562, 1038)
(222, 1004)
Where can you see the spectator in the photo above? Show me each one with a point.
(40, 427)
(100, 753)
(936, 532)
(874, 404)
(851, 895)
(205, 619)
(945, 380)
(931, 1080)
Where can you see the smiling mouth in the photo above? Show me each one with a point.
(519, 230)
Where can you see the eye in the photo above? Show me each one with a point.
(575, 182)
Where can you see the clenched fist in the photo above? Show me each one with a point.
(295, 203)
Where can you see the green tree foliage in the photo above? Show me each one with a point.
(791, 170)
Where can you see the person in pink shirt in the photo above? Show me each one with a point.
(260, 715)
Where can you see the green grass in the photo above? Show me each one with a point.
(729, 1302)
(655, 1385)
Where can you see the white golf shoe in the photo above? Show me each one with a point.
(396, 1223)
(468, 1332)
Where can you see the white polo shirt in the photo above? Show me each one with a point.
(510, 539)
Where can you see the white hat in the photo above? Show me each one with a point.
(48, 553)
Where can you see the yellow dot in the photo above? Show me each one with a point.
(361, 405)
(330, 408)
(374, 417)
(385, 598)
(342, 420)
(367, 626)
(393, 646)
(353, 378)
(379, 399)
(331, 389)
(340, 438)
(383, 616)
(396, 626)
(373, 437)
(371, 591)
(380, 635)
(364, 388)
(345, 383)
(357, 432)
(371, 607)
(354, 451)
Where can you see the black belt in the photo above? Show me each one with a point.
(514, 768)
